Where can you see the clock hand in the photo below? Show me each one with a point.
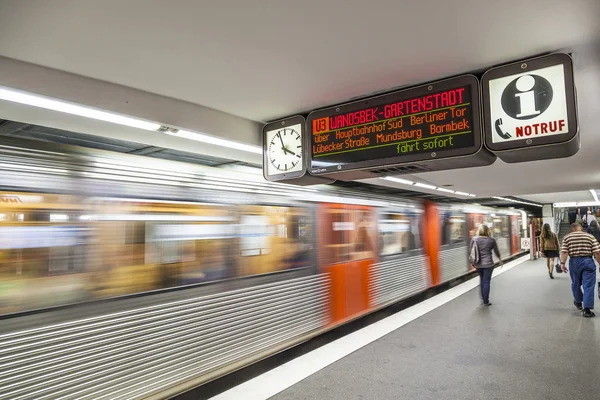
(289, 151)
(281, 139)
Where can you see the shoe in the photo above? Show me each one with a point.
(578, 305)
(487, 304)
(551, 276)
(587, 313)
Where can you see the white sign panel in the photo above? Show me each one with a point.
(528, 105)
(525, 243)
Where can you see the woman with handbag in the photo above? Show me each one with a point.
(588, 218)
(480, 256)
(549, 246)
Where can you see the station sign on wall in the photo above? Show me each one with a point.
(530, 110)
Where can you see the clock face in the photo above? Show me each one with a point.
(284, 150)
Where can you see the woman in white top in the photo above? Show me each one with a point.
(588, 218)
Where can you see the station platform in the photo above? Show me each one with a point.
(530, 344)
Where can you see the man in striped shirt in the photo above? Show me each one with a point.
(580, 247)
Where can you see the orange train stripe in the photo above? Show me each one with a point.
(432, 235)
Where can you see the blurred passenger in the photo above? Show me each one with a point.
(411, 244)
(578, 218)
(572, 216)
(364, 242)
(549, 246)
(580, 246)
(447, 230)
(588, 218)
(486, 245)
(594, 230)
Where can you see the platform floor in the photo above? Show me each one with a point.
(530, 344)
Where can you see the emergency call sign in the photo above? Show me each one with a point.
(529, 109)
(529, 104)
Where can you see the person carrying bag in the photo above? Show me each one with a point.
(550, 248)
(480, 256)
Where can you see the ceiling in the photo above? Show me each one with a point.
(270, 58)
(265, 59)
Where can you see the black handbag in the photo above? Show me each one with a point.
(558, 269)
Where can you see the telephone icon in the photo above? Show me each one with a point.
(500, 132)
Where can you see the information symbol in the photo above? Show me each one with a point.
(527, 97)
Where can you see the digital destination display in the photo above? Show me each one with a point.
(434, 120)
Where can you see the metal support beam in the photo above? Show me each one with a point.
(144, 151)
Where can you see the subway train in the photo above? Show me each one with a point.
(123, 277)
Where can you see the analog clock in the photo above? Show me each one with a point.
(284, 153)
(284, 147)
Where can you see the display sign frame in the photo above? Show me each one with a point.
(468, 80)
(531, 146)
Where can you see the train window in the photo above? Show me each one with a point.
(502, 233)
(348, 233)
(192, 252)
(136, 233)
(398, 233)
(474, 221)
(255, 234)
(453, 228)
(42, 252)
(273, 239)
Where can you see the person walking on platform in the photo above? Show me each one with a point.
(485, 261)
(572, 216)
(594, 230)
(579, 217)
(580, 246)
(549, 246)
(588, 218)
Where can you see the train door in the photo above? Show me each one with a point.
(515, 233)
(502, 234)
(474, 221)
(348, 236)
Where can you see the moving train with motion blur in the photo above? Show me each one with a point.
(123, 277)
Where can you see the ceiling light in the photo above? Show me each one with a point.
(517, 201)
(399, 180)
(587, 203)
(200, 137)
(425, 186)
(576, 204)
(70, 108)
(595, 195)
(567, 204)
